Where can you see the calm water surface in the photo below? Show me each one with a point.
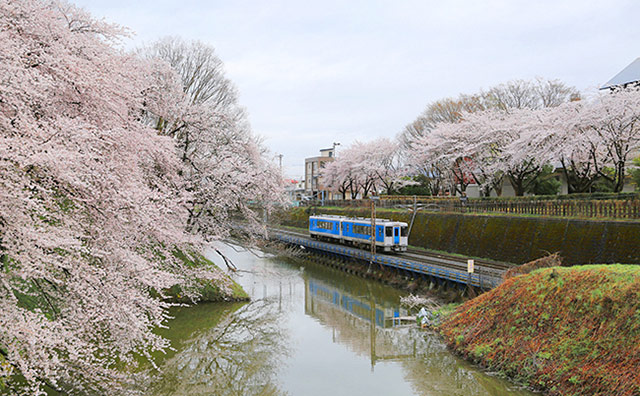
(310, 330)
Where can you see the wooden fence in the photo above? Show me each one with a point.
(583, 208)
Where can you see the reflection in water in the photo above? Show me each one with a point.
(236, 353)
(363, 323)
(310, 331)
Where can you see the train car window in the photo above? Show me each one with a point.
(361, 229)
(389, 231)
(404, 231)
(325, 225)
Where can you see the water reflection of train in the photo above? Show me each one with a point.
(362, 307)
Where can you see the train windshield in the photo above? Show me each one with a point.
(404, 231)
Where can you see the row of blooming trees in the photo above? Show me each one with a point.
(365, 168)
(589, 139)
(109, 163)
(518, 132)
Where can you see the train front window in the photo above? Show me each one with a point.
(389, 231)
(404, 231)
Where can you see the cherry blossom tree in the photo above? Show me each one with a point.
(337, 177)
(369, 168)
(612, 123)
(431, 155)
(484, 138)
(226, 166)
(381, 159)
(93, 200)
(566, 142)
(591, 138)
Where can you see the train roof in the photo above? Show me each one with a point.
(355, 219)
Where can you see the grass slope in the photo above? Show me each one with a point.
(208, 290)
(568, 331)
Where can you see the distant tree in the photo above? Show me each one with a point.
(200, 70)
(536, 94)
(446, 110)
(227, 167)
(470, 141)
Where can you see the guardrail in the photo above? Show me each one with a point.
(479, 280)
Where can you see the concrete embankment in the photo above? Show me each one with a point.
(515, 239)
(567, 331)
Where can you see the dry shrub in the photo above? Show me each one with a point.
(551, 260)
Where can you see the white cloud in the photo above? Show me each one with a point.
(311, 73)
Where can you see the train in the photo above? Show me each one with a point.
(391, 236)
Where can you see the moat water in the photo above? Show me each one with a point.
(310, 330)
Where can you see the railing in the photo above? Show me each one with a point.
(483, 281)
(627, 208)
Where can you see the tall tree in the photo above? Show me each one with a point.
(227, 167)
(91, 204)
(94, 198)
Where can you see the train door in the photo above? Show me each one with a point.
(396, 235)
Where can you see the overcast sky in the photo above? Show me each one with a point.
(312, 73)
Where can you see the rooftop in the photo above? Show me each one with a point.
(629, 74)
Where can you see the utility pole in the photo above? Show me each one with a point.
(280, 160)
(373, 229)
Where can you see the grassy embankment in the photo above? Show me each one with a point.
(208, 291)
(564, 330)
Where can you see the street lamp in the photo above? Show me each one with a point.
(334, 147)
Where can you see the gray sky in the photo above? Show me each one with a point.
(312, 73)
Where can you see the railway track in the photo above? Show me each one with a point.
(496, 265)
(486, 267)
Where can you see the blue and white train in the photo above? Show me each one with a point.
(391, 236)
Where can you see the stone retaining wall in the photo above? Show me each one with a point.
(515, 239)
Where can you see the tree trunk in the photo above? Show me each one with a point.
(516, 183)
(619, 177)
